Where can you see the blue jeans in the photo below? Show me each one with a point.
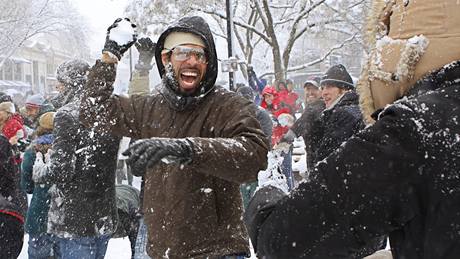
(83, 247)
(42, 246)
(141, 241)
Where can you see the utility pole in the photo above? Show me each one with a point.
(229, 39)
(130, 65)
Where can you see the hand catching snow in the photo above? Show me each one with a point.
(121, 35)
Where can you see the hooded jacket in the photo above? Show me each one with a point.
(81, 176)
(194, 210)
(408, 40)
(397, 177)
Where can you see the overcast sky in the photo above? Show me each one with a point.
(100, 14)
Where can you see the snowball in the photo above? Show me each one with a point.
(123, 33)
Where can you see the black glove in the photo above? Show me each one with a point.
(146, 153)
(288, 137)
(146, 48)
(113, 46)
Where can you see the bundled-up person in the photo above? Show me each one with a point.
(257, 85)
(304, 126)
(12, 128)
(11, 215)
(341, 117)
(271, 102)
(400, 175)
(288, 98)
(197, 142)
(35, 106)
(41, 244)
(11, 123)
(81, 171)
(266, 123)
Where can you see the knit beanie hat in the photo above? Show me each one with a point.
(46, 121)
(338, 76)
(72, 72)
(177, 38)
(7, 107)
(35, 100)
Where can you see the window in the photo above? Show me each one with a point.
(18, 71)
(1, 73)
(50, 69)
(8, 68)
(29, 79)
(35, 72)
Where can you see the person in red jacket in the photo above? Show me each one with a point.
(11, 123)
(271, 102)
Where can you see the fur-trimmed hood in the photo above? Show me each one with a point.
(407, 39)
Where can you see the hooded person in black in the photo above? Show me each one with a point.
(81, 175)
(197, 142)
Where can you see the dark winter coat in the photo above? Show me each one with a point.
(399, 176)
(335, 125)
(304, 127)
(82, 174)
(11, 215)
(11, 229)
(9, 175)
(44, 108)
(195, 210)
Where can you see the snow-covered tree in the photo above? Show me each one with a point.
(273, 27)
(21, 20)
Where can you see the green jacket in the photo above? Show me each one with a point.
(37, 215)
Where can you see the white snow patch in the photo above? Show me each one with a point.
(123, 33)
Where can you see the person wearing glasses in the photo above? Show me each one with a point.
(197, 142)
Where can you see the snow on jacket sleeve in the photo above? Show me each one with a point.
(357, 194)
(63, 158)
(103, 111)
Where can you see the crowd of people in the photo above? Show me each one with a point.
(382, 154)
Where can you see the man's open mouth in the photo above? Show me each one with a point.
(189, 79)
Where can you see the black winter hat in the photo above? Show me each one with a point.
(5, 97)
(338, 76)
(72, 72)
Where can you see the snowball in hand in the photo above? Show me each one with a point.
(123, 33)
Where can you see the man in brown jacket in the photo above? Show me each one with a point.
(198, 142)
